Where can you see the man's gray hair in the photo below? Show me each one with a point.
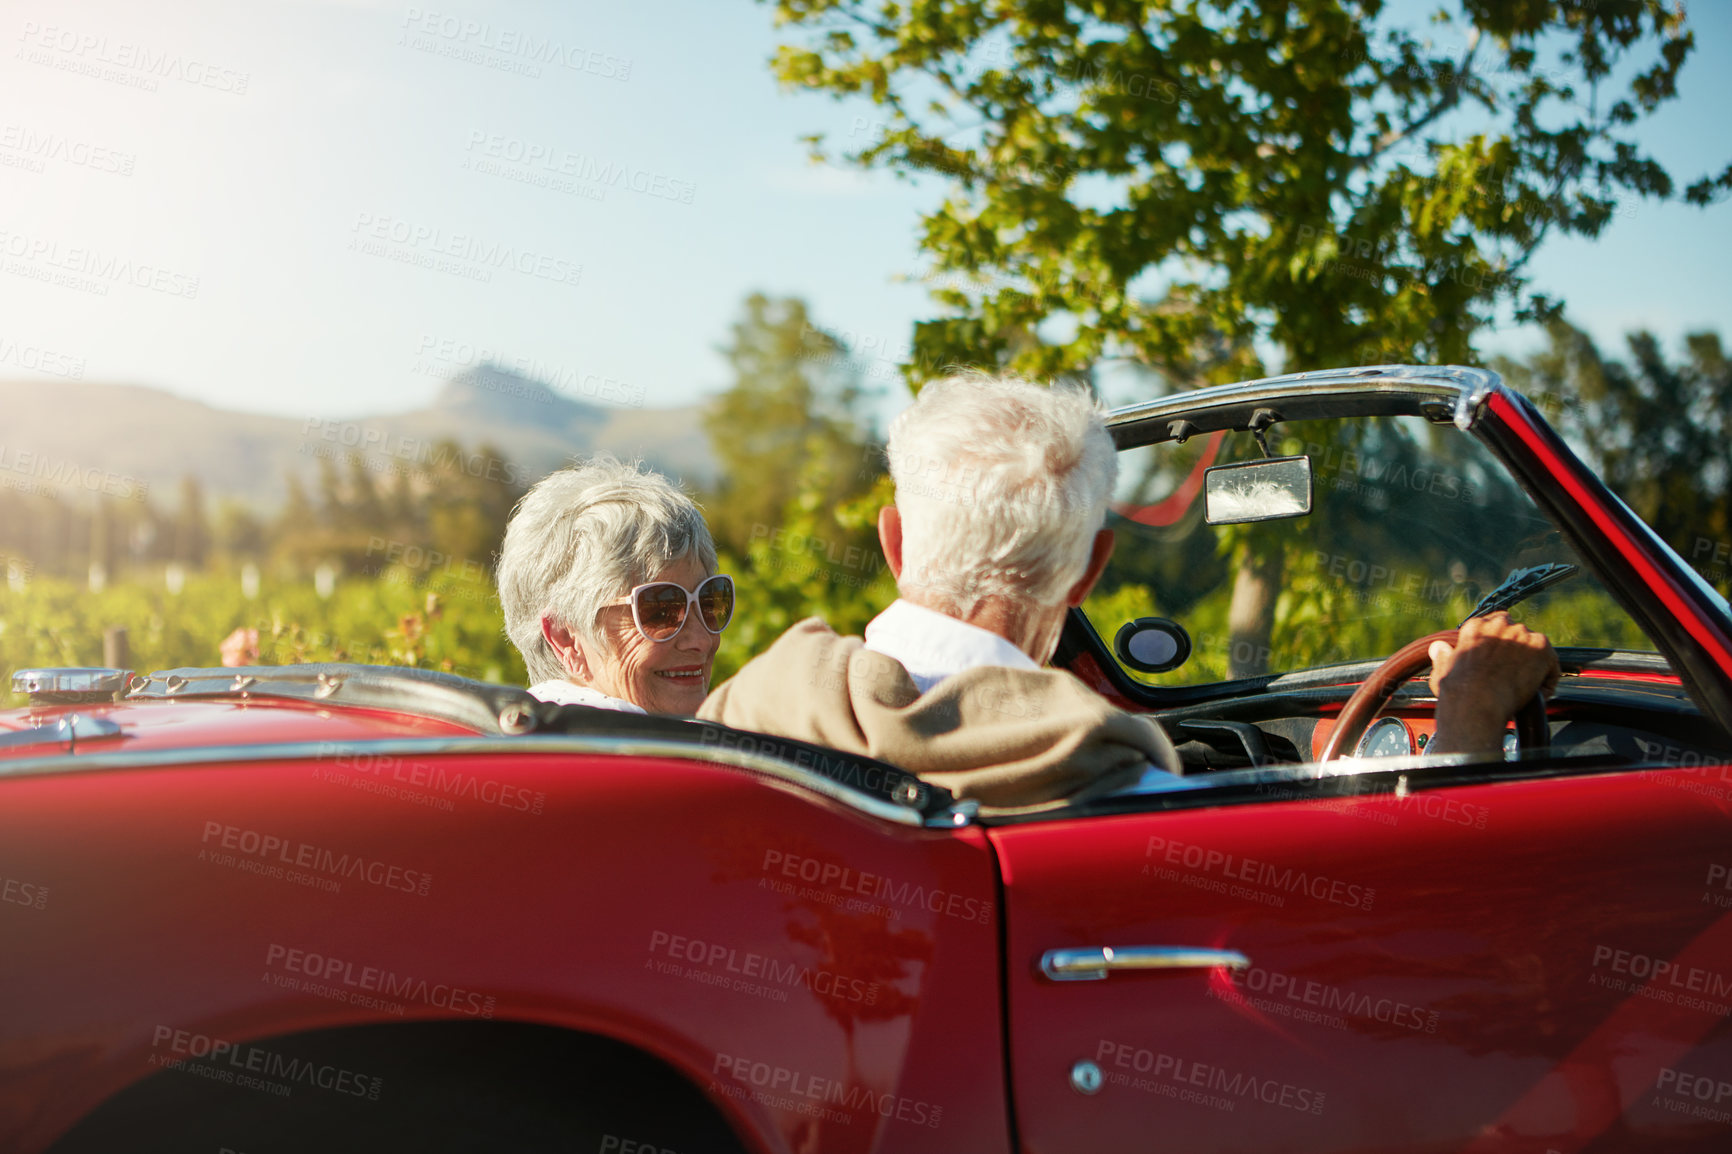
(1001, 485)
(585, 536)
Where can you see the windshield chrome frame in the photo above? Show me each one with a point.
(1611, 541)
(1378, 390)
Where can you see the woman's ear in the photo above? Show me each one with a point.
(567, 648)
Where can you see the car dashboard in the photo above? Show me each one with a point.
(1640, 719)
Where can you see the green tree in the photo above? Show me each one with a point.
(361, 504)
(191, 531)
(1170, 174)
(1660, 434)
(441, 513)
(240, 532)
(469, 498)
(795, 507)
(795, 395)
(1183, 183)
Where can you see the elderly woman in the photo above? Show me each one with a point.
(609, 584)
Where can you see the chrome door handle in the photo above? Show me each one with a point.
(1093, 963)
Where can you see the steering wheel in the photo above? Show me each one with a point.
(1374, 693)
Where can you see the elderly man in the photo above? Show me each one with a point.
(608, 581)
(948, 681)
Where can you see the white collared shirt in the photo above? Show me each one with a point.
(571, 693)
(933, 646)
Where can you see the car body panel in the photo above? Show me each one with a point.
(1428, 970)
(150, 726)
(573, 891)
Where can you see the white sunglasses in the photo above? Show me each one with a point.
(659, 608)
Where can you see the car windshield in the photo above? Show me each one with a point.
(1411, 524)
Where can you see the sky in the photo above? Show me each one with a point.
(323, 209)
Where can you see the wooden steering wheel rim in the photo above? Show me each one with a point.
(1408, 661)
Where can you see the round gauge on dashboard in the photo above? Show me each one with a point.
(1386, 737)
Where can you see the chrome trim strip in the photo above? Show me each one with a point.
(1095, 963)
(476, 705)
(776, 770)
(1465, 389)
(52, 681)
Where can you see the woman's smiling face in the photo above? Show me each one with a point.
(660, 677)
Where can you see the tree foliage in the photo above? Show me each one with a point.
(1195, 184)
(1659, 433)
(1184, 182)
(446, 509)
(794, 400)
(795, 510)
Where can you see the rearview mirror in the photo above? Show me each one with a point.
(1257, 491)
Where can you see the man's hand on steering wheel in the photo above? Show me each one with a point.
(1495, 667)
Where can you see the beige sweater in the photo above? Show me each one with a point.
(1009, 738)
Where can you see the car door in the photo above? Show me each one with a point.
(1536, 965)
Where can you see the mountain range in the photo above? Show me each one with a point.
(77, 428)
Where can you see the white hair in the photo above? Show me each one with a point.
(585, 536)
(1001, 485)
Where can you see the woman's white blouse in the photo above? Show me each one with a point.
(570, 693)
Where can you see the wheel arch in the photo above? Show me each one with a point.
(434, 1085)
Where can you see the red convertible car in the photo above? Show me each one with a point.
(323, 907)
